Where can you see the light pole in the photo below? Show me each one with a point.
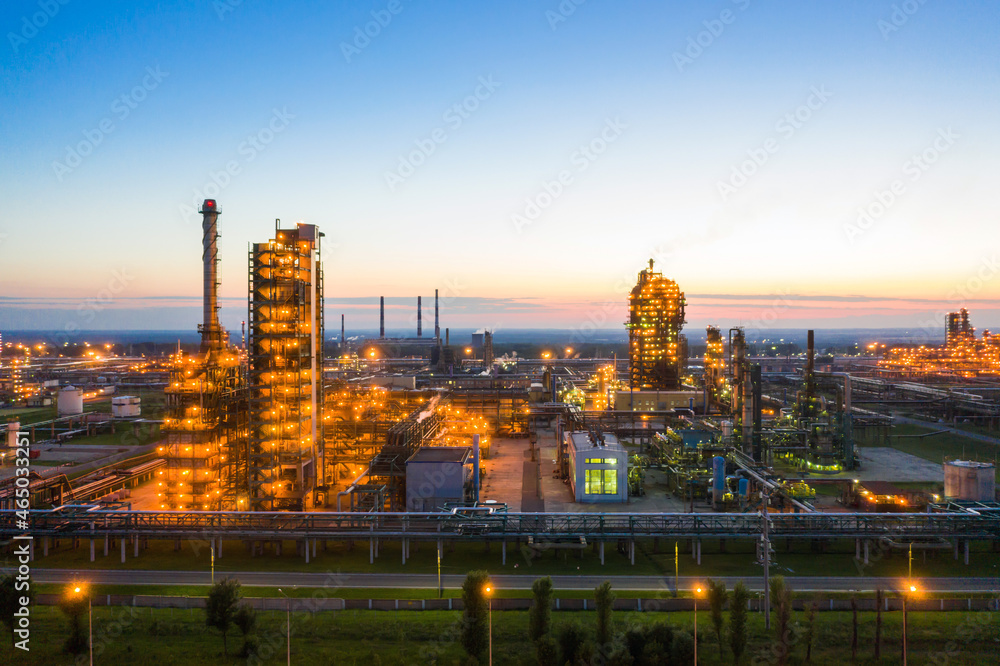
(910, 589)
(489, 602)
(697, 593)
(90, 624)
(288, 624)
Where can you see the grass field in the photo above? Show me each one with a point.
(940, 446)
(372, 637)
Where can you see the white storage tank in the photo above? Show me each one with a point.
(969, 480)
(70, 401)
(123, 406)
(11, 434)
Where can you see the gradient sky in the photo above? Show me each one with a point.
(783, 249)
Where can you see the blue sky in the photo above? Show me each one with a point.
(752, 147)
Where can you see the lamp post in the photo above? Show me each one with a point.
(90, 623)
(489, 602)
(697, 593)
(288, 625)
(908, 590)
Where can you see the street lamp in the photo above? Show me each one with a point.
(90, 623)
(697, 595)
(908, 590)
(288, 624)
(489, 601)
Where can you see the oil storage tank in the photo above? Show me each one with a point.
(70, 401)
(969, 480)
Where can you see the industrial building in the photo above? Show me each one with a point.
(598, 467)
(657, 350)
(286, 455)
(205, 426)
(439, 475)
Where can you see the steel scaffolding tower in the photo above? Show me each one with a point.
(286, 462)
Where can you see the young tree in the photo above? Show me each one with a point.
(475, 628)
(682, 648)
(604, 598)
(74, 606)
(854, 628)
(879, 596)
(810, 629)
(716, 602)
(9, 603)
(245, 620)
(220, 607)
(738, 621)
(540, 614)
(781, 603)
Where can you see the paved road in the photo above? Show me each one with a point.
(944, 426)
(509, 582)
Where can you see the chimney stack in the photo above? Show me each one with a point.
(342, 330)
(420, 319)
(437, 327)
(211, 331)
(381, 316)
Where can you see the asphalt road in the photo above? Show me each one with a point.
(508, 582)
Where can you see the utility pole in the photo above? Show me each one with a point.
(766, 555)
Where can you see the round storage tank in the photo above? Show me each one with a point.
(969, 480)
(727, 429)
(70, 401)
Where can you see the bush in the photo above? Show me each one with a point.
(635, 642)
(682, 648)
(547, 651)
(654, 654)
(571, 638)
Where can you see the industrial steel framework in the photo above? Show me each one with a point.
(656, 348)
(285, 376)
(206, 424)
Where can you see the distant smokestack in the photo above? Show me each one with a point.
(437, 327)
(447, 337)
(341, 330)
(810, 353)
(381, 316)
(420, 319)
(211, 331)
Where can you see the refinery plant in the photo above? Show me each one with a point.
(287, 421)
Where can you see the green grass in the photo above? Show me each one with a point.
(940, 446)
(738, 560)
(175, 636)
